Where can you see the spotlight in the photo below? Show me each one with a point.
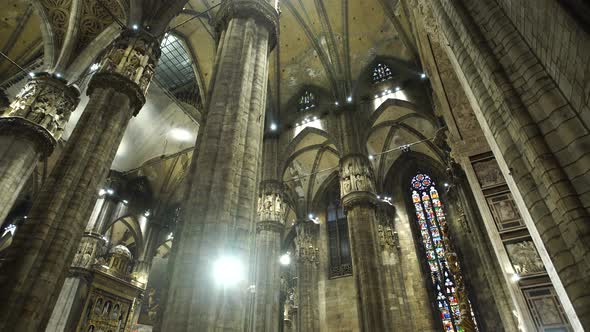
(371, 157)
(378, 197)
(336, 103)
(94, 67)
(285, 259)
(423, 76)
(349, 99)
(147, 213)
(101, 192)
(110, 191)
(58, 75)
(311, 216)
(125, 202)
(446, 184)
(397, 88)
(228, 271)
(31, 74)
(273, 126)
(315, 118)
(135, 27)
(376, 96)
(515, 277)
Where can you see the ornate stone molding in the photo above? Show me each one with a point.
(357, 182)
(307, 250)
(41, 110)
(128, 66)
(260, 10)
(271, 204)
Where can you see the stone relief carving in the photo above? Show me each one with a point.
(356, 175)
(47, 102)
(270, 203)
(504, 211)
(91, 248)
(524, 257)
(488, 173)
(133, 58)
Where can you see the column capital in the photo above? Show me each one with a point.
(41, 110)
(357, 182)
(271, 206)
(261, 10)
(128, 66)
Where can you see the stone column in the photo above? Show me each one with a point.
(219, 214)
(42, 250)
(359, 200)
(269, 231)
(307, 277)
(29, 130)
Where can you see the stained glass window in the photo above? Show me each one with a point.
(381, 73)
(431, 220)
(306, 101)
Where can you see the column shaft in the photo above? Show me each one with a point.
(269, 231)
(359, 200)
(268, 277)
(18, 158)
(219, 214)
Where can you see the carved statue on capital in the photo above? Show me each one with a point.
(129, 65)
(356, 174)
(41, 109)
(271, 205)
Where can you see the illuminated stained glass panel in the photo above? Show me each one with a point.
(431, 219)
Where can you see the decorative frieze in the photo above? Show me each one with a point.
(41, 110)
(128, 66)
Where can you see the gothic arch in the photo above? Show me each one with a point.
(132, 224)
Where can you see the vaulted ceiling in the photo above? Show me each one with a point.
(323, 43)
